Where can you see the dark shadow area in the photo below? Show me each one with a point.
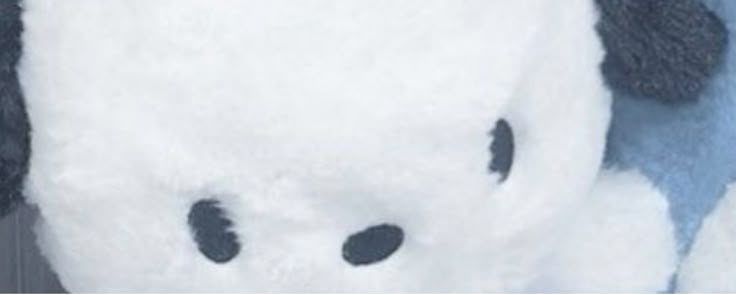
(22, 267)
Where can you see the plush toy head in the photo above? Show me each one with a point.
(324, 145)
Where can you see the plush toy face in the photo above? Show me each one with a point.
(312, 145)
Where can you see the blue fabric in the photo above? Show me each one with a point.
(14, 126)
(660, 49)
(688, 150)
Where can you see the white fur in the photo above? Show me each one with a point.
(621, 240)
(711, 265)
(311, 120)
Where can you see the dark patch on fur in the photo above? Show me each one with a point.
(662, 49)
(14, 126)
(502, 149)
(372, 245)
(212, 231)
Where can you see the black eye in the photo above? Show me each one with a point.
(372, 245)
(502, 149)
(212, 231)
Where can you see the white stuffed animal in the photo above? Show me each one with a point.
(331, 145)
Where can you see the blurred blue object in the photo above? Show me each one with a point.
(687, 149)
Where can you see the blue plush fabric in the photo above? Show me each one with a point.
(688, 149)
(14, 126)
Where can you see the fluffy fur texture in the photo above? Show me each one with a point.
(311, 121)
(621, 241)
(711, 266)
(687, 150)
(14, 127)
(660, 49)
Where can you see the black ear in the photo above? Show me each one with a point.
(662, 49)
(14, 126)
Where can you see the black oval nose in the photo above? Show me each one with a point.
(372, 245)
(212, 231)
